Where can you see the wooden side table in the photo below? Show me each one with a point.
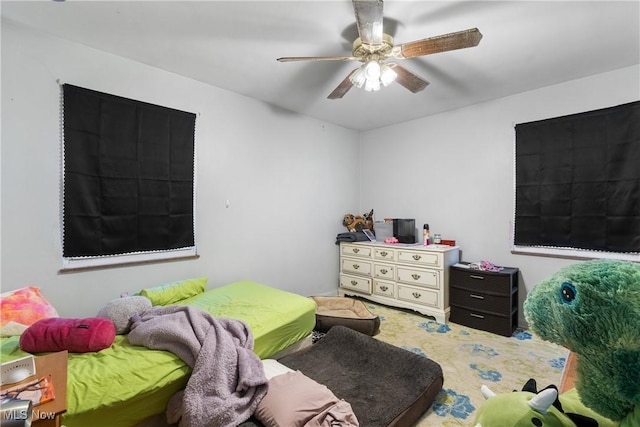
(569, 374)
(50, 414)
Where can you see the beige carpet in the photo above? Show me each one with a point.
(470, 358)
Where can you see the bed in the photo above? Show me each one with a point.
(125, 384)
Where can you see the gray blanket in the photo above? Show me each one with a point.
(352, 236)
(228, 379)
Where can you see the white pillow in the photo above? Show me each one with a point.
(272, 368)
(120, 311)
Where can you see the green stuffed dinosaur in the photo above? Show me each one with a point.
(533, 408)
(593, 308)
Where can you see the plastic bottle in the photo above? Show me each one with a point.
(425, 235)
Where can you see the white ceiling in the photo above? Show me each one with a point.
(234, 45)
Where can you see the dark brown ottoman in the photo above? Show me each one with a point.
(344, 311)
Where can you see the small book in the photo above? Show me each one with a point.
(39, 391)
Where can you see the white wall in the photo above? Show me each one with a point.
(283, 174)
(454, 170)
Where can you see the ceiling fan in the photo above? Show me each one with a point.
(373, 47)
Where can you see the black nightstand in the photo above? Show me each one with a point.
(485, 300)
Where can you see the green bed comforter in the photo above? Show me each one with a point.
(125, 384)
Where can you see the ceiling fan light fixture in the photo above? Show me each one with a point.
(387, 75)
(358, 77)
(372, 75)
(372, 85)
(372, 69)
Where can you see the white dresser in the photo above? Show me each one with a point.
(400, 275)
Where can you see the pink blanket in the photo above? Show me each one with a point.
(227, 381)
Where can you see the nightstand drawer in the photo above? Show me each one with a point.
(480, 301)
(357, 266)
(487, 322)
(480, 281)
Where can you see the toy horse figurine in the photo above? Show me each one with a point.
(353, 223)
(357, 222)
(368, 219)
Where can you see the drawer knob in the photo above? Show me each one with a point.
(356, 266)
(417, 257)
(384, 271)
(476, 296)
(416, 295)
(356, 250)
(383, 288)
(479, 316)
(415, 276)
(474, 276)
(354, 282)
(384, 253)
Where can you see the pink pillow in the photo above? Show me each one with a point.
(295, 400)
(21, 308)
(74, 335)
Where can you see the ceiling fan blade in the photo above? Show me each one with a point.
(443, 43)
(408, 79)
(317, 58)
(369, 20)
(342, 88)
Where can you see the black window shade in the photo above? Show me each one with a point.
(128, 175)
(578, 181)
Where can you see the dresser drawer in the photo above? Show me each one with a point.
(355, 250)
(416, 276)
(487, 322)
(384, 271)
(360, 284)
(355, 265)
(418, 295)
(472, 300)
(384, 253)
(426, 259)
(384, 288)
(481, 281)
